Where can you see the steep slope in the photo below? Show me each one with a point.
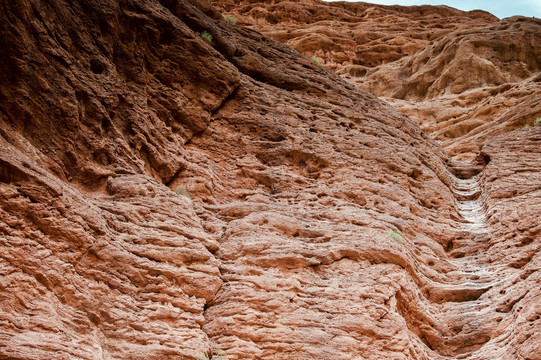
(468, 86)
(352, 37)
(297, 180)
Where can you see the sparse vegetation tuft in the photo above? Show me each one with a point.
(537, 122)
(231, 19)
(181, 190)
(205, 35)
(399, 238)
(315, 60)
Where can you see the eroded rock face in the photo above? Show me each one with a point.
(99, 258)
(352, 37)
(297, 179)
(468, 86)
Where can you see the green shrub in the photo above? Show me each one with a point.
(205, 35)
(181, 190)
(393, 234)
(315, 60)
(231, 19)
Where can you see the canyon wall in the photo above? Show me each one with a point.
(174, 186)
(468, 86)
(352, 36)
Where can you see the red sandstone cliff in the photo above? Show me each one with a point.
(352, 36)
(283, 250)
(469, 85)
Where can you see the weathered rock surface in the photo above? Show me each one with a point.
(468, 86)
(352, 37)
(297, 179)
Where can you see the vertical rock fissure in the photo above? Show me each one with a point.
(460, 299)
(476, 274)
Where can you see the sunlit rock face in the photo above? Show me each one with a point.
(352, 36)
(468, 86)
(176, 186)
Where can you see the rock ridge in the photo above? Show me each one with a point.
(352, 36)
(468, 86)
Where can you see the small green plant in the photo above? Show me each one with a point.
(537, 122)
(393, 234)
(181, 190)
(205, 35)
(231, 19)
(315, 60)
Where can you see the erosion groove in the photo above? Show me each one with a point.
(163, 196)
(462, 300)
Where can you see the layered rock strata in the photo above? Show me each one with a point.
(352, 36)
(317, 221)
(468, 86)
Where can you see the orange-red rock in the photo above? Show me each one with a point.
(296, 179)
(468, 86)
(351, 36)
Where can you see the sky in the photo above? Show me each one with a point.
(500, 8)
